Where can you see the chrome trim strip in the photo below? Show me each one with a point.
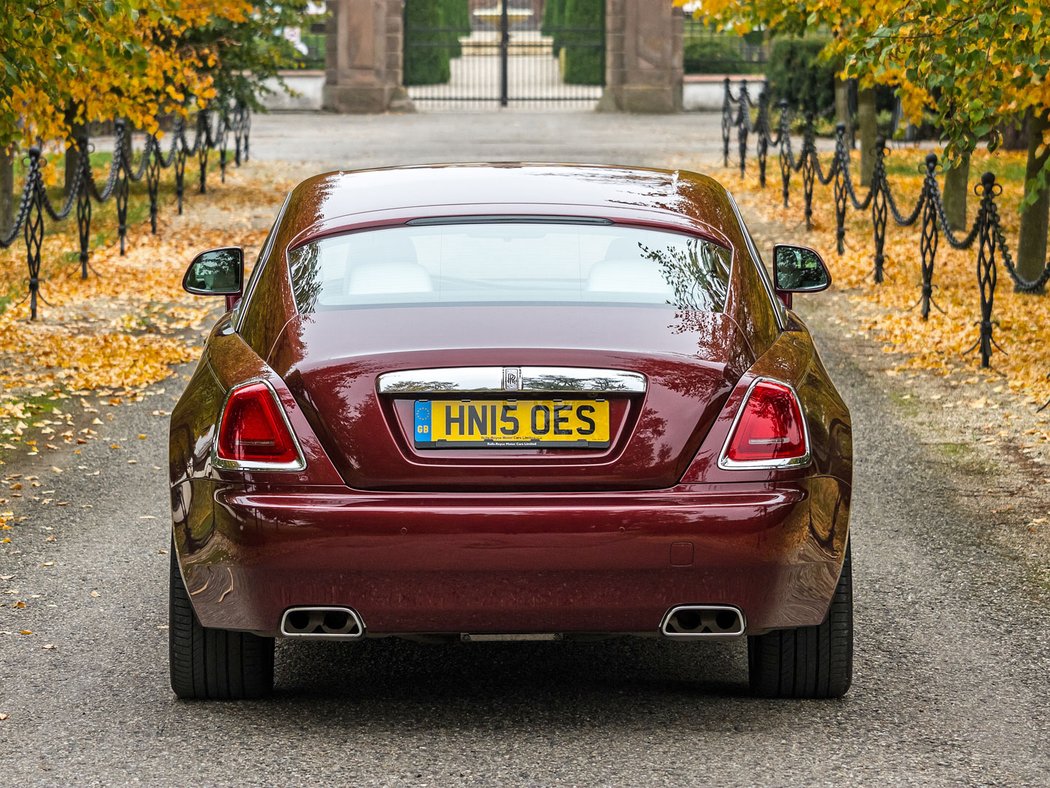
(763, 274)
(727, 464)
(481, 380)
(237, 465)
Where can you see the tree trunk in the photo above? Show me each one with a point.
(842, 114)
(7, 189)
(73, 155)
(1015, 133)
(1031, 246)
(956, 189)
(869, 130)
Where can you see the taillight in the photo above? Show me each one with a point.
(254, 433)
(769, 430)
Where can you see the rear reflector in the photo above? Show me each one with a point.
(254, 433)
(769, 431)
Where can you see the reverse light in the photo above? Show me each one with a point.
(769, 430)
(254, 433)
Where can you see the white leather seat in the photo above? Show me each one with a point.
(370, 279)
(627, 276)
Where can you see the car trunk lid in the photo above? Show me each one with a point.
(362, 375)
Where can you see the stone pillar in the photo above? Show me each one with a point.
(363, 68)
(643, 62)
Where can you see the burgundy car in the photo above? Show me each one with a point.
(510, 402)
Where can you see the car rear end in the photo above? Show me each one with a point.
(599, 445)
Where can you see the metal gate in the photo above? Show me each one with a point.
(498, 53)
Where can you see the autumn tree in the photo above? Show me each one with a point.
(67, 63)
(103, 59)
(249, 51)
(974, 66)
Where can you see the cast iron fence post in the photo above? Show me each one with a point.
(878, 207)
(84, 209)
(504, 52)
(224, 132)
(34, 206)
(986, 268)
(809, 151)
(203, 146)
(120, 152)
(153, 179)
(727, 120)
(930, 238)
(785, 151)
(762, 149)
(180, 162)
(34, 227)
(743, 122)
(842, 159)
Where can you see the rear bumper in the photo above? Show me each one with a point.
(569, 562)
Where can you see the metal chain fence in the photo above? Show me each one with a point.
(212, 131)
(986, 232)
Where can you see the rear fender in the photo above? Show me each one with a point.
(228, 361)
(791, 359)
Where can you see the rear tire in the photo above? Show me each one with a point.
(808, 662)
(213, 663)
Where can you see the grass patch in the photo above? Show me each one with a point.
(100, 163)
(903, 163)
(963, 457)
(906, 402)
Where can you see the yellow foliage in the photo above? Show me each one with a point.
(78, 61)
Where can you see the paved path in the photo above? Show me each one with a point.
(350, 142)
(952, 652)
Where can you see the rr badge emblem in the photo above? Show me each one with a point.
(512, 378)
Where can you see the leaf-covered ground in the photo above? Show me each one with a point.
(102, 340)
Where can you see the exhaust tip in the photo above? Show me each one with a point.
(322, 623)
(703, 621)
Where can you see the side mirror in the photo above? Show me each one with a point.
(798, 269)
(217, 272)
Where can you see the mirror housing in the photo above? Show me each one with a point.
(798, 269)
(217, 272)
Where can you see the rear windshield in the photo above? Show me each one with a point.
(509, 263)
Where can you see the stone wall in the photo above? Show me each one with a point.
(643, 71)
(363, 68)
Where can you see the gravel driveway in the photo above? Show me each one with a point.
(952, 662)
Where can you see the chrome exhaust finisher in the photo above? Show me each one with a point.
(322, 623)
(703, 621)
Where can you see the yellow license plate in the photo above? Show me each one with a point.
(488, 423)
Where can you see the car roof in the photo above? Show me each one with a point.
(345, 198)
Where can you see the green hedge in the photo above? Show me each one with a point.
(797, 74)
(717, 55)
(455, 15)
(553, 21)
(426, 58)
(583, 31)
